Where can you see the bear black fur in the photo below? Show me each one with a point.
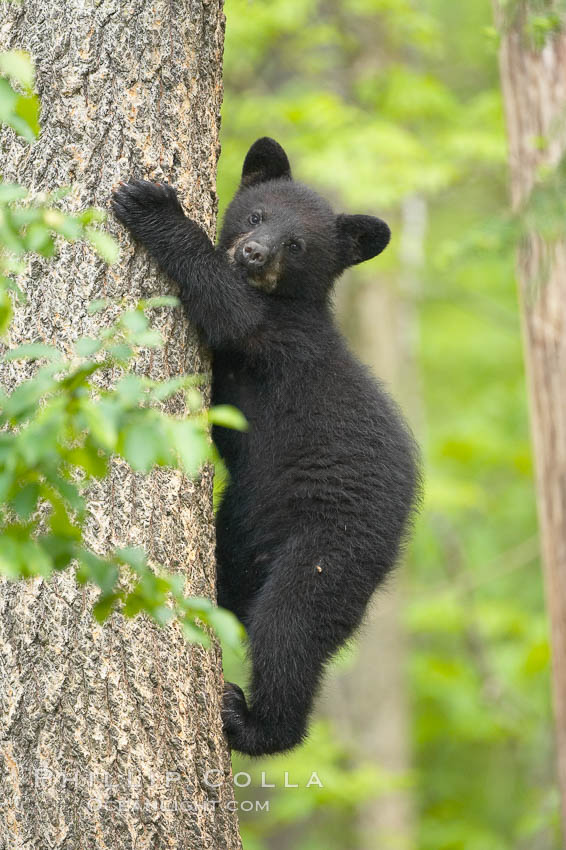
(323, 483)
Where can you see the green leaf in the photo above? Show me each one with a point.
(39, 240)
(66, 225)
(105, 604)
(26, 118)
(134, 320)
(101, 571)
(160, 301)
(102, 421)
(21, 216)
(23, 557)
(60, 522)
(191, 443)
(67, 490)
(134, 556)
(228, 628)
(134, 603)
(104, 244)
(8, 98)
(197, 604)
(70, 227)
(120, 352)
(150, 338)
(162, 614)
(34, 559)
(92, 214)
(26, 396)
(10, 563)
(11, 264)
(10, 236)
(19, 66)
(228, 417)
(194, 634)
(33, 351)
(60, 550)
(48, 248)
(87, 346)
(98, 304)
(24, 502)
(79, 377)
(6, 312)
(89, 458)
(131, 389)
(38, 444)
(142, 444)
(176, 584)
(10, 192)
(165, 389)
(7, 481)
(194, 400)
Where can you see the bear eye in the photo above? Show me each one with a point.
(295, 247)
(255, 218)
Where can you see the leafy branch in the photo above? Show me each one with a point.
(60, 429)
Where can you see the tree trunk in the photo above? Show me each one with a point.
(534, 88)
(111, 735)
(376, 724)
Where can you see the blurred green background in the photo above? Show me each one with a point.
(393, 108)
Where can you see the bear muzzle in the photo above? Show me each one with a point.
(254, 255)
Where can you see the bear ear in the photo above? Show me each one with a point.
(361, 237)
(265, 160)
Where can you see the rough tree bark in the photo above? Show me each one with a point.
(534, 88)
(107, 732)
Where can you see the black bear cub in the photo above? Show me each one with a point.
(323, 482)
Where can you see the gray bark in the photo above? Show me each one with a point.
(534, 89)
(107, 732)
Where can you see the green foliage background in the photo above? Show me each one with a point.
(377, 101)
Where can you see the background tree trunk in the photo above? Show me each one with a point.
(368, 701)
(534, 88)
(107, 732)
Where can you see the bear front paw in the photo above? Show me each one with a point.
(140, 202)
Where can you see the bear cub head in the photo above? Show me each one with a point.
(284, 237)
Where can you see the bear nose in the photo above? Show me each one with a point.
(255, 254)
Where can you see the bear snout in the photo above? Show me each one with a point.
(254, 254)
